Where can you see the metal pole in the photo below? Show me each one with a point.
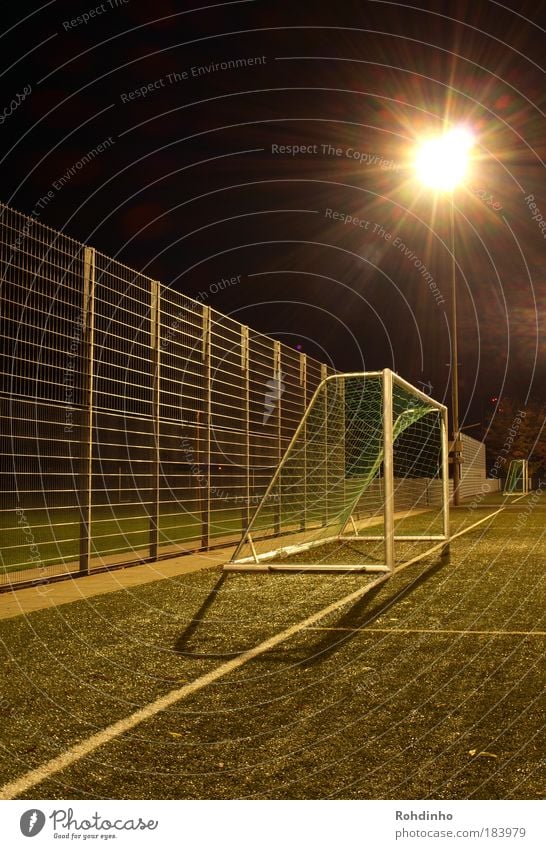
(454, 364)
(205, 516)
(445, 476)
(278, 381)
(303, 384)
(323, 376)
(343, 470)
(388, 509)
(86, 483)
(155, 338)
(246, 403)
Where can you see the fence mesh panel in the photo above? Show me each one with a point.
(136, 422)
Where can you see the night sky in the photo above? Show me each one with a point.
(261, 153)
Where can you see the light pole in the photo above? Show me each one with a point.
(441, 164)
(454, 364)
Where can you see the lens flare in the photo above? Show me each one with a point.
(442, 162)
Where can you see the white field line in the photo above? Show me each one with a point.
(434, 631)
(80, 750)
(30, 779)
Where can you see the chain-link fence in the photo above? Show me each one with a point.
(136, 422)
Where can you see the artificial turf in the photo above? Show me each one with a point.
(430, 686)
(116, 529)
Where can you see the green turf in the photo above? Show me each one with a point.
(116, 529)
(389, 706)
(120, 528)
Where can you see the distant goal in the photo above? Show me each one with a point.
(517, 478)
(363, 483)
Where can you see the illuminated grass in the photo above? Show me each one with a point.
(442, 662)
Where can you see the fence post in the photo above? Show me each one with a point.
(205, 501)
(155, 344)
(245, 513)
(388, 469)
(303, 384)
(86, 438)
(277, 374)
(323, 376)
(445, 477)
(343, 470)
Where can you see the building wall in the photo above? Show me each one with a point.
(474, 471)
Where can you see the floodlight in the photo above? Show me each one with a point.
(441, 162)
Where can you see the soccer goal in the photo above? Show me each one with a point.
(362, 484)
(517, 479)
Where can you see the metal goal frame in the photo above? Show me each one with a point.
(261, 561)
(517, 478)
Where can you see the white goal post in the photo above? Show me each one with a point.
(363, 482)
(517, 478)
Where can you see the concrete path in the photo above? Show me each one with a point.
(28, 599)
(20, 602)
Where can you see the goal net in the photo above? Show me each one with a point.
(517, 478)
(362, 484)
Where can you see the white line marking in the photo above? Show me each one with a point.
(35, 776)
(30, 779)
(433, 631)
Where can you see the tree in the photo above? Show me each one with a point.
(517, 431)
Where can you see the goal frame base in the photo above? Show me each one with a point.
(304, 567)
(261, 564)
